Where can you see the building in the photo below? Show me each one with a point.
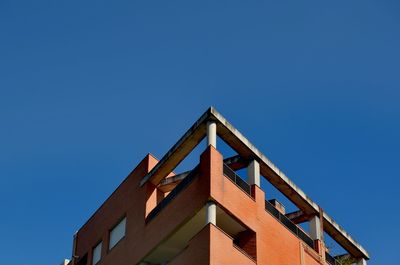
(209, 215)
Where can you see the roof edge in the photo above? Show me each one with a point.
(271, 172)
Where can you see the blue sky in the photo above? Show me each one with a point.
(88, 88)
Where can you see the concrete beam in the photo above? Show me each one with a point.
(298, 217)
(236, 162)
(267, 169)
(170, 183)
(344, 239)
(178, 152)
(279, 180)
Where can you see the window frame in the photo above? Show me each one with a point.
(101, 249)
(112, 229)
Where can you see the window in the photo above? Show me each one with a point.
(117, 233)
(97, 253)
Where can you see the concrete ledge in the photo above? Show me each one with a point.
(276, 177)
(178, 152)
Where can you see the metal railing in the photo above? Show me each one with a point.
(181, 186)
(228, 172)
(288, 224)
(331, 260)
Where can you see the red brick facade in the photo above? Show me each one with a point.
(266, 241)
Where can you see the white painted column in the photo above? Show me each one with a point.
(315, 228)
(65, 262)
(362, 262)
(211, 213)
(212, 134)
(253, 173)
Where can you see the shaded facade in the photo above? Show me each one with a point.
(210, 214)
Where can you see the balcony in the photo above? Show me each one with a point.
(288, 224)
(178, 189)
(243, 185)
(331, 260)
(194, 237)
(271, 209)
(235, 179)
(222, 250)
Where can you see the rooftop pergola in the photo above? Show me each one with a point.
(248, 152)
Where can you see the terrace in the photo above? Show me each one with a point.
(248, 157)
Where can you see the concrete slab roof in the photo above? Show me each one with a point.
(268, 170)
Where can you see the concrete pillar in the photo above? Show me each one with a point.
(65, 262)
(315, 228)
(253, 173)
(211, 213)
(362, 262)
(212, 134)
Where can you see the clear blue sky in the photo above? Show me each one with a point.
(87, 88)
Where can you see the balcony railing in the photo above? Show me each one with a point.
(181, 186)
(228, 172)
(289, 224)
(331, 260)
